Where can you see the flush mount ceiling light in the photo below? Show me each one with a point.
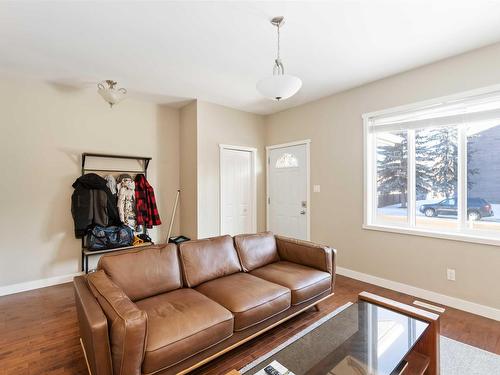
(279, 86)
(110, 93)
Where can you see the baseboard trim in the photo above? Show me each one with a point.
(457, 303)
(36, 284)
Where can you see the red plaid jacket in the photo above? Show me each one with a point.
(145, 203)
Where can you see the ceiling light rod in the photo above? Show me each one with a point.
(279, 86)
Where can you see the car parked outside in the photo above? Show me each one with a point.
(477, 208)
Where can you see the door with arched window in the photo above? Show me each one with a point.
(287, 193)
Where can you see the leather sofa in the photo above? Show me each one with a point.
(166, 309)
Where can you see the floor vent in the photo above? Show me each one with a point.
(429, 306)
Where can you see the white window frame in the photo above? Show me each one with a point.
(370, 185)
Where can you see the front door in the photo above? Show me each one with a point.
(288, 206)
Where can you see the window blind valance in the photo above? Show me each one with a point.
(479, 110)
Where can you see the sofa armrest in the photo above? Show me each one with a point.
(93, 329)
(307, 253)
(128, 324)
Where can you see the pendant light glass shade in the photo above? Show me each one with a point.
(279, 86)
(110, 92)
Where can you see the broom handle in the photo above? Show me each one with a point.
(173, 215)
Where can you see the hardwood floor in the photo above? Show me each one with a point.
(39, 330)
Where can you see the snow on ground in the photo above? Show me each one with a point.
(396, 210)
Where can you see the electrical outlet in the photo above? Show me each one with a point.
(450, 274)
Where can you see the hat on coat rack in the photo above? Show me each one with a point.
(122, 177)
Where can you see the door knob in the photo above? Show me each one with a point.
(303, 212)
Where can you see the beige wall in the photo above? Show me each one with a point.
(46, 127)
(334, 126)
(44, 130)
(189, 170)
(223, 125)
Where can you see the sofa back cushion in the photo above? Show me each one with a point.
(208, 259)
(146, 272)
(256, 250)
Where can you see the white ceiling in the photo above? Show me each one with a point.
(217, 51)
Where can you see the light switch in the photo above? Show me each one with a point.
(316, 188)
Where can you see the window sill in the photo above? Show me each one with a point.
(463, 237)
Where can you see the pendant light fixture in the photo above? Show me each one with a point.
(110, 93)
(279, 86)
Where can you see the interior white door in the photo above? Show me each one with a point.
(287, 191)
(237, 191)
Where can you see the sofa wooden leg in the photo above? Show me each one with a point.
(85, 355)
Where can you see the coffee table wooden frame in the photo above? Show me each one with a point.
(424, 357)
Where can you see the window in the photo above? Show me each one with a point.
(434, 168)
(436, 175)
(287, 161)
(392, 178)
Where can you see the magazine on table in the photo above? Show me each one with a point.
(274, 368)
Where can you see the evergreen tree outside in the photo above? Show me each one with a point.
(437, 155)
(392, 167)
(436, 167)
(423, 178)
(438, 150)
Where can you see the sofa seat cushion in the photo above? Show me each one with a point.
(250, 299)
(181, 323)
(304, 282)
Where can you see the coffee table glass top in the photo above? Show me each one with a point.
(363, 339)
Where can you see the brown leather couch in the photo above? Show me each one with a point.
(168, 309)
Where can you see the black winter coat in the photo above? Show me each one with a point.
(92, 203)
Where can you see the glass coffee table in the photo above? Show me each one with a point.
(375, 336)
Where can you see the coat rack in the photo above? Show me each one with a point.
(144, 160)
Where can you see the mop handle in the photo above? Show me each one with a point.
(173, 215)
